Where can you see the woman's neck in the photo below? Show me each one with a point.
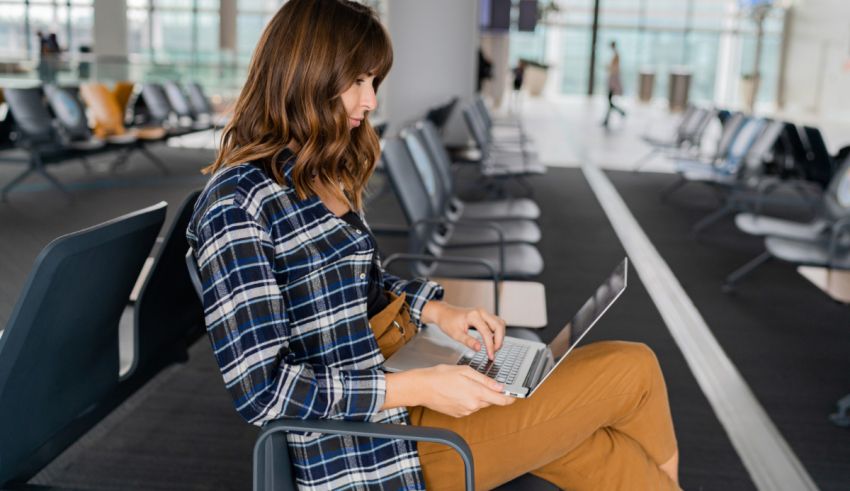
(332, 200)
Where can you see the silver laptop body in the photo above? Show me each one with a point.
(520, 364)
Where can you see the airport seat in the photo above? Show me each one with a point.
(439, 115)
(59, 365)
(182, 107)
(71, 116)
(109, 124)
(37, 138)
(818, 242)
(201, 105)
(168, 315)
(501, 261)
(686, 138)
(122, 91)
(499, 161)
(451, 231)
(158, 109)
(470, 210)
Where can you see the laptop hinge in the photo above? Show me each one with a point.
(533, 373)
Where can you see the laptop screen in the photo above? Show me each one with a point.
(588, 314)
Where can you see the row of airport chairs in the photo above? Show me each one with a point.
(51, 124)
(756, 156)
(60, 364)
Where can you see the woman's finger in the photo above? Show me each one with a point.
(498, 326)
(480, 324)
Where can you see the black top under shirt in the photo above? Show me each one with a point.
(377, 299)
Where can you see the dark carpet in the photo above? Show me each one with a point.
(182, 432)
(788, 339)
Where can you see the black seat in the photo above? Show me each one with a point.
(182, 107)
(439, 115)
(168, 315)
(71, 116)
(158, 109)
(59, 358)
(36, 136)
(522, 208)
(453, 232)
(508, 261)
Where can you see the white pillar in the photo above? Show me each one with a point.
(436, 57)
(110, 39)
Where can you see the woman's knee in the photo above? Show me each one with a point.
(630, 357)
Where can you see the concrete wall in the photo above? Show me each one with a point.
(817, 74)
(435, 44)
(110, 39)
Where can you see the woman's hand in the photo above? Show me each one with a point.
(450, 389)
(456, 321)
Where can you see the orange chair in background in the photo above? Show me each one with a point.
(122, 92)
(109, 125)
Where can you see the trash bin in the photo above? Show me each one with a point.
(646, 83)
(680, 85)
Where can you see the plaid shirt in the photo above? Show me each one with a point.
(285, 288)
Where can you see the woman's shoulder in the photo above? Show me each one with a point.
(244, 186)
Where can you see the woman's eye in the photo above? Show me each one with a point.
(360, 81)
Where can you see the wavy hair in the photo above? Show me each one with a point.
(308, 55)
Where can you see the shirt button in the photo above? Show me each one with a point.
(360, 232)
(362, 276)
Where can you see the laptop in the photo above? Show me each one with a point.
(521, 365)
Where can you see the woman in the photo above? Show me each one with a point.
(615, 84)
(301, 314)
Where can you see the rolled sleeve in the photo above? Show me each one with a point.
(419, 292)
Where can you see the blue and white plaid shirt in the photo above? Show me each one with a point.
(285, 288)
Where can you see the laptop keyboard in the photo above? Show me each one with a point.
(504, 368)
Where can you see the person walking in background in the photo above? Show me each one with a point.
(519, 76)
(615, 84)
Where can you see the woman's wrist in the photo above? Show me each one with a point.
(432, 311)
(403, 389)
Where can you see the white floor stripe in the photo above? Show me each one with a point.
(766, 455)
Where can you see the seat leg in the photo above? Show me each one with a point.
(153, 158)
(86, 164)
(121, 159)
(712, 218)
(639, 163)
(39, 169)
(739, 274)
(272, 469)
(669, 190)
(841, 417)
(14, 182)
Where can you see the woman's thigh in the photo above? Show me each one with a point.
(599, 385)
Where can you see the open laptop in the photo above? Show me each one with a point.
(521, 365)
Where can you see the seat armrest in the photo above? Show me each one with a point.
(375, 430)
(407, 257)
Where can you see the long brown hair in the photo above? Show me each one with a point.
(309, 53)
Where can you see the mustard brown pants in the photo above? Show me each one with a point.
(601, 421)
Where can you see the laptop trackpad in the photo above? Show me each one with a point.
(428, 348)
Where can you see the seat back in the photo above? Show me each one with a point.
(762, 150)
(821, 161)
(69, 112)
(742, 144)
(426, 171)
(477, 129)
(701, 124)
(32, 119)
(156, 102)
(439, 155)
(409, 189)
(440, 115)
(168, 314)
(199, 101)
(59, 352)
(178, 100)
(836, 201)
(106, 112)
(727, 136)
(123, 92)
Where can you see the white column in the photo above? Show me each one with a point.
(435, 44)
(110, 39)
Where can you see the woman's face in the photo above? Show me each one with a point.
(359, 99)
